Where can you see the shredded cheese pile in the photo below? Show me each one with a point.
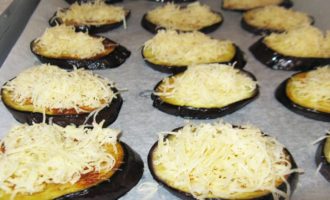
(248, 4)
(181, 49)
(41, 154)
(93, 13)
(62, 41)
(305, 41)
(220, 161)
(276, 18)
(49, 87)
(313, 89)
(207, 86)
(194, 17)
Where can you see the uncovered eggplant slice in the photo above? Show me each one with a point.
(321, 159)
(292, 179)
(114, 56)
(276, 60)
(238, 61)
(284, 3)
(86, 1)
(200, 112)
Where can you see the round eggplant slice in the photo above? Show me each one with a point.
(86, 1)
(25, 114)
(173, 1)
(238, 61)
(285, 4)
(292, 180)
(281, 96)
(113, 56)
(278, 61)
(321, 159)
(153, 28)
(91, 29)
(201, 113)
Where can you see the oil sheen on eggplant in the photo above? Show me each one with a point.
(278, 61)
(285, 4)
(292, 180)
(238, 61)
(25, 114)
(114, 56)
(320, 158)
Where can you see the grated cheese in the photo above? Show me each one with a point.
(276, 18)
(304, 41)
(207, 86)
(62, 41)
(311, 89)
(42, 154)
(57, 88)
(221, 161)
(193, 17)
(248, 4)
(93, 13)
(169, 47)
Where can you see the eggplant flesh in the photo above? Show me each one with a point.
(87, 1)
(25, 114)
(282, 97)
(285, 4)
(276, 60)
(110, 185)
(114, 56)
(321, 159)
(258, 195)
(238, 60)
(201, 113)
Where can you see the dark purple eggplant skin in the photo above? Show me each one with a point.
(239, 61)
(154, 28)
(278, 61)
(321, 160)
(86, 1)
(124, 179)
(292, 179)
(109, 114)
(281, 96)
(112, 60)
(91, 29)
(285, 4)
(202, 113)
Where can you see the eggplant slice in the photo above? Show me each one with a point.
(282, 97)
(278, 61)
(238, 61)
(292, 178)
(285, 4)
(114, 56)
(202, 113)
(109, 113)
(173, 1)
(87, 1)
(320, 158)
(91, 29)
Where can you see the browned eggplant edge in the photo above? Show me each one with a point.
(202, 113)
(321, 160)
(86, 1)
(292, 178)
(285, 4)
(239, 61)
(91, 29)
(109, 114)
(122, 181)
(154, 28)
(281, 96)
(263, 31)
(112, 60)
(278, 61)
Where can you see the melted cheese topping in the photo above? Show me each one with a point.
(276, 18)
(207, 86)
(219, 160)
(96, 13)
(182, 49)
(42, 154)
(57, 88)
(194, 17)
(62, 41)
(248, 4)
(311, 89)
(301, 42)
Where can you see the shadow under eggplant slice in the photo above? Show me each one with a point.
(284, 3)
(320, 158)
(113, 56)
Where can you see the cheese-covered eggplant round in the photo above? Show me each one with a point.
(243, 5)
